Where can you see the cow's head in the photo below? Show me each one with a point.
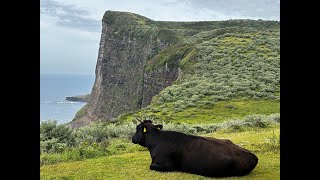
(144, 129)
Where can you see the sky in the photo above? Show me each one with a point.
(70, 30)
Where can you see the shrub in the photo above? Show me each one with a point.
(175, 110)
(211, 128)
(256, 120)
(99, 132)
(91, 150)
(230, 106)
(223, 71)
(101, 139)
(54, 137)
(274, 118)
(198, 128)
(52, 146)
(50, 158)
(92, 133)
(72, 154)
(164, 112)
(155, 110)
(232, 125)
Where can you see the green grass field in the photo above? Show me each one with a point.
(264, 142)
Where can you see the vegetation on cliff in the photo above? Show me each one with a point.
(243, 67)
(220, 62)
(208, 62)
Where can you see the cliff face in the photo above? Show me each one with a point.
(139, 57)
(122, 83)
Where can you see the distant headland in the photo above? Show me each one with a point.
(79, 98)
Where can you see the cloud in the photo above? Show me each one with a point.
(180, 10)
(253, 9)
(69, 15)
(64, 49)
(87, 15)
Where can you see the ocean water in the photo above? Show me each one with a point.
(54, 88)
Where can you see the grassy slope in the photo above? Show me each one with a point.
(217, 73)
(215, 113)
(136, 165)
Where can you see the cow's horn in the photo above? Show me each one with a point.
(138, 119)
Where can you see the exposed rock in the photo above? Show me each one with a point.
(122, 84)
(79, 98)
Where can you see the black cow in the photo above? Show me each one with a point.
(175, 151)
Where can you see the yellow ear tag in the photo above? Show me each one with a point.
(159, 128)
(144, 130)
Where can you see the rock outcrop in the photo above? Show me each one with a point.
(122, 83)
(79, 98)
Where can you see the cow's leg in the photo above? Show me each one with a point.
(164, 165)
(164, 159)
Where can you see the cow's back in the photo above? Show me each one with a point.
(215, 157)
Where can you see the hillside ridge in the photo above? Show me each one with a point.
(139, 58)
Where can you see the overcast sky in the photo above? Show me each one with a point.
(70, 29)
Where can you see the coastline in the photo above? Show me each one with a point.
(79, 98)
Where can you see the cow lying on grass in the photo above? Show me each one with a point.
(175, 151)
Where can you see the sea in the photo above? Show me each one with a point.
(54, 88)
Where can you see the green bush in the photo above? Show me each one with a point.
(91, 150)
(233, 125)
(99, 132)
(102, 139)
(50, 158)
(91, 134)
(256, 120)
(274, 118)
(54, 137)
(52, 146)
(235, 64)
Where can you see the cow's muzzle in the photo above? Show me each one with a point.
(134, 140)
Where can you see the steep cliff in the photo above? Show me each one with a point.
(122, 83)
(139, 57)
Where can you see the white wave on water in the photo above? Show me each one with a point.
(60, 102)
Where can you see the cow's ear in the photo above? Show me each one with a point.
(158, 126)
